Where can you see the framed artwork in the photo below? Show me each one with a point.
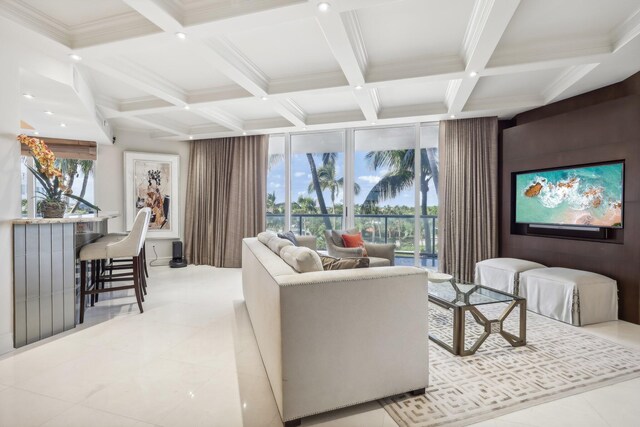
(151, 180)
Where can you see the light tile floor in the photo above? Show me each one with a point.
(191, 360)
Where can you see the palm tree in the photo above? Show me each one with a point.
(86, 166)
(328, 181)
(271, 202)
(315, 181)
(400, 175)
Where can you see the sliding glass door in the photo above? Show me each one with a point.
(367, 178)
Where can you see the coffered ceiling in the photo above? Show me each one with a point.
(267, 66)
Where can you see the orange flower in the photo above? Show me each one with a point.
(43, 154)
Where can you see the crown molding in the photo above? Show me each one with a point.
(112, 28)
(565, 80)
(29, 17)
(330, 81)
(625, 32)
(354, 32)
(425, 69)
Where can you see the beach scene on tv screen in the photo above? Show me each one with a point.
(589, 196)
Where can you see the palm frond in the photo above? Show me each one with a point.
(83, 201)
(390, 186)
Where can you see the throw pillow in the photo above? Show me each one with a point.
(331, 263)
(301, 259)
(336, 236)
(354, 241)
(289, 236)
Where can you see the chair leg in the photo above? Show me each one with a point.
(93, 281)
(83, 285)
(144, 261)
(136, 282)
(143, 279)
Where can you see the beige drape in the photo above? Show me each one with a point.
(226, 198)
(468, 194)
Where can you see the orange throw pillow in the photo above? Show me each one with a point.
(354, 241)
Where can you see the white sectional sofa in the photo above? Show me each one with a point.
(331, 339)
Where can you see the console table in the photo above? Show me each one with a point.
(45, 282)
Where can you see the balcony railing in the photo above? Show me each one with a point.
(397, 229)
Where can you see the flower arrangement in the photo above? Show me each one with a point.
(51, 179)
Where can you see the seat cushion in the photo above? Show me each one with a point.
(503, 274)
(93, 251)
(301, 259)
(378, 262)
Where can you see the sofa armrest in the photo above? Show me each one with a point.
(307, 241)
(382, 250)
(336, 251)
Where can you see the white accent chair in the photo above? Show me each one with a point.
(130, 247)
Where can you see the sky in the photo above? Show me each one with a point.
(365, 176)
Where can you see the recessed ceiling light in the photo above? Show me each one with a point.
(359, 87)
(453, 116)
(63, 125)
(49, 113)
(473, 74)
(28, 95)
(186, 107)
(373, 123)
(190, 136)
(244, 133)
(75, 57)
(181, 36)
(35, 132)
(304, 128)
(264, 98)
(324, 6)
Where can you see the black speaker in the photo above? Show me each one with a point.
(178, 260)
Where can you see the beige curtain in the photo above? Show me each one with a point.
(468, 194)
(226, 198)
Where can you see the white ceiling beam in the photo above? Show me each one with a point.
(626, 32)
(164, 125)
(164, 14)
(565, 81)
(488, 22)
(342, 32)
(290, 111)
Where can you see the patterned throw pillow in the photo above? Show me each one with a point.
(331, 263)
(354, 241)
(289, 236)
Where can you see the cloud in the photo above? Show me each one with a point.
(302, 193)
(309, 176)
(275, 185)
(299, 174)
(371, 179)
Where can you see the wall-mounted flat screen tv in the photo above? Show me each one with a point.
(586, 195)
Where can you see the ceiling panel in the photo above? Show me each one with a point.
(424, 93)
(249, 109)
(528, 84)
(185, 117)
(291, 49)
(414, 29)
(76, 12)
(326, 102)
(550, 20)
(110, 87)
(179, 63)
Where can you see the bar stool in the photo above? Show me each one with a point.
(130, 247)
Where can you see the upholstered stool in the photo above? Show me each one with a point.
(502, 274)
(571, 296)
(130, 247)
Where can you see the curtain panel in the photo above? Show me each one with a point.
(226, 198)
(468, 193)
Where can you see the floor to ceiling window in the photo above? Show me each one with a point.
(365, 178)
(317, 183)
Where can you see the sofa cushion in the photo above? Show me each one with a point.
(301, 259)
(276, 244)
(336, 236)
(354, 241)
(333, 263)
(289, 236)
(265, 236)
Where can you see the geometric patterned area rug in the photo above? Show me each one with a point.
(559, 360)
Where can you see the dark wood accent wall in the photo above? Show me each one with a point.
(602, 125)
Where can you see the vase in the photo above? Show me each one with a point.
(53, 208)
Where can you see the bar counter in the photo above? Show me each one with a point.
(45, 279)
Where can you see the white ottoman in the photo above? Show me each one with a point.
(502, 273)
(571, 296)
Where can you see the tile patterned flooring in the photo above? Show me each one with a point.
(192, 360)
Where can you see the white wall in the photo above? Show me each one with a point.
(9, 183)
(109, 180)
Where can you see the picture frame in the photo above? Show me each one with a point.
(151, 180)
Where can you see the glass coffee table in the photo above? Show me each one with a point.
(461, 298)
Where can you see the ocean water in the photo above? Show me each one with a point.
(590, 194)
